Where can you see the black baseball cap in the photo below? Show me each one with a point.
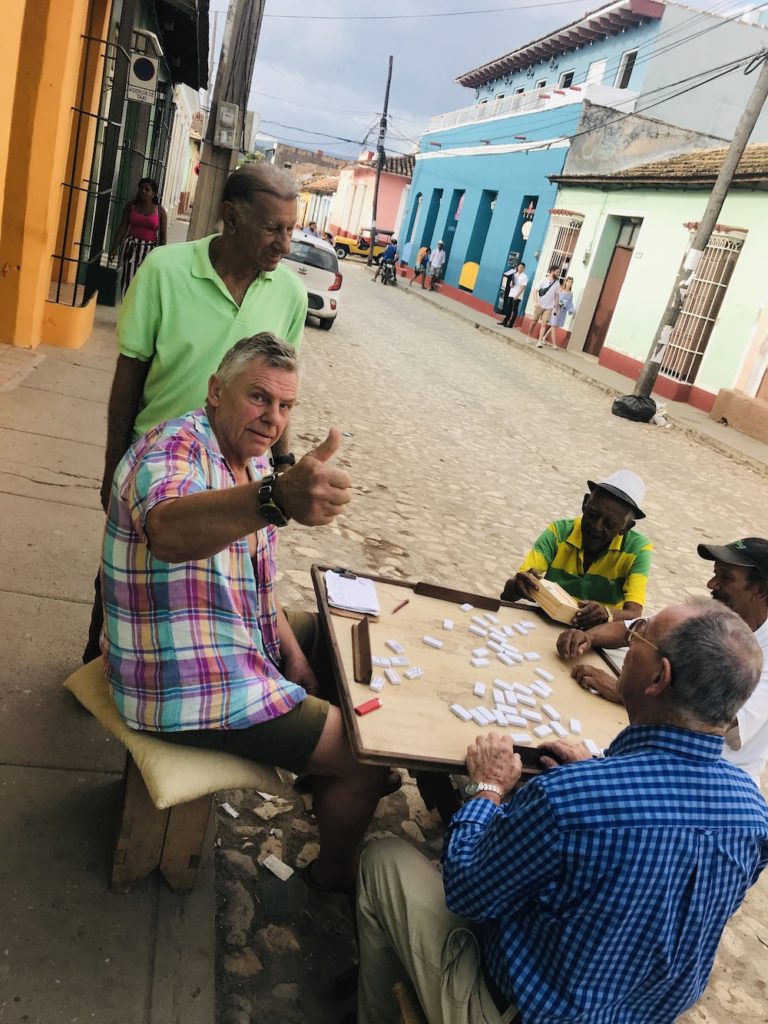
(751, 552)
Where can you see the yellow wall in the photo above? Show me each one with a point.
(44, 89)
(10, 47)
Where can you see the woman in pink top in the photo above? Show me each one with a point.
(143, 226)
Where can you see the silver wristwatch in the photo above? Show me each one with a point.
(473, 788)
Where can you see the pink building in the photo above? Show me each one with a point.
(351, 209)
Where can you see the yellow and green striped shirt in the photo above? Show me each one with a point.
(618, 575)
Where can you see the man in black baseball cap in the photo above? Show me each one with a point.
(740, 581)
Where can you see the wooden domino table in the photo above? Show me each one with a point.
(414, 728)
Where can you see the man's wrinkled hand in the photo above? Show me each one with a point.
(559, 752)
(524, 584)
(573, 643)
(492, 758)
(313, 492)
(590, 614)
(589, 677)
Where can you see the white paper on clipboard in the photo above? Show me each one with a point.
(357, 594)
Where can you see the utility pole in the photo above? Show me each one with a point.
(685, 275)
(379, 162)
(233, 85)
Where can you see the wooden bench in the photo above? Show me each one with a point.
(167, 792)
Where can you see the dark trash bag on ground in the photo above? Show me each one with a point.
(634, 407)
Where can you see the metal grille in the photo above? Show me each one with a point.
(689, 339)
(566, 233)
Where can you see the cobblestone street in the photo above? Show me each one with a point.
(462, 447)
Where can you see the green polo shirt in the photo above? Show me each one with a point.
(179, 316)
(619, 574)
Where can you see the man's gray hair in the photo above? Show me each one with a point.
(716, 664)
(246, 183)
(264, 347)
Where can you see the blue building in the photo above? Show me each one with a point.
(481, 181)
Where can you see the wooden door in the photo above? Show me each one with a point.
(609, 296)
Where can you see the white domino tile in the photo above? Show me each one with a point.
(520, 629)
(465, 607)
(505, 659)
(558, 729)
(517, 720)
(499, 696)
(461, 712)
(448, 624)
(477, 717)
(478, 630)
(551, 712)
(541, 731)
(495, 646)
(543, 674)
(394, 646)
(522, 688)
(508, 631)
(479, 662)
(480, 652)
(529, 702)
(575, 726)
(414, 673)
(431, 641)
(392, 676)
(492, 618)
(501, 718)
(521, 737)
(593, 748)
(398, 661)
(376, 684)
(479, 689)
(380, 662)
(529, 715)
(532, 656)
(540, 689)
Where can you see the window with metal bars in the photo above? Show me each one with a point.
(564, 232)
(688, 343)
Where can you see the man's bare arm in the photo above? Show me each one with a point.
(124, 401)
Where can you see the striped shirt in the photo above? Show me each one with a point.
(190, 645)
(603, 886)
(618, 575)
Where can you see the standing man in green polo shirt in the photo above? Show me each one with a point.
(190, 303)
(598, 557)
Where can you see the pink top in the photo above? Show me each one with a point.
(144, 226)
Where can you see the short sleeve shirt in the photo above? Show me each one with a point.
(188, 645)
(618, 575)
(179, 316)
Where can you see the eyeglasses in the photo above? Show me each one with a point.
(637, 632)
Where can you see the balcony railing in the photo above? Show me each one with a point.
(534, 100)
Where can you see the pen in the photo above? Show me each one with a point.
(399, 606)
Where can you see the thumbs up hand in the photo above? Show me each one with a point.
(314, 492)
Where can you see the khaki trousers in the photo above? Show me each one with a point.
(406, 933)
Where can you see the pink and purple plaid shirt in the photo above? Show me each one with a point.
(192, 645)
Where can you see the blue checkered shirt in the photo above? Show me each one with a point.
(603, 886)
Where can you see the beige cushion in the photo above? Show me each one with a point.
(172, 774)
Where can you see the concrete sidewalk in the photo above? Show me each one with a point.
(692, 421)
(71, 951)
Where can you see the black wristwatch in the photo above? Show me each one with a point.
(268, 507)
(289, 459)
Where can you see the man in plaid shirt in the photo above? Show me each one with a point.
(196, 645)
(598, 892)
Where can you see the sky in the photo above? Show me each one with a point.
(321, 67)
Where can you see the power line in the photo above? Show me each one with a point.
(408, 17)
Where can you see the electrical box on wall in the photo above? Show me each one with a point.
(225, 133)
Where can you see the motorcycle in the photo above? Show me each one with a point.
(388, 273)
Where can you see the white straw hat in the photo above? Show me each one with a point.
(625, 485)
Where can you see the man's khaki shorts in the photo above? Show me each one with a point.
(541, 314)
(285, 742)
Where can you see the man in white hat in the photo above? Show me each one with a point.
(598, 557)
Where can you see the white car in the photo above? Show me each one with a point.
(317, 265)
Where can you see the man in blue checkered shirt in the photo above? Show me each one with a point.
(598, 892)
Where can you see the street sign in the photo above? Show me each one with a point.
(142, 78)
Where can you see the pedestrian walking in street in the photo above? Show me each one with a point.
(422, 262)
(565, 307)
(144, 226)
(546, 295)
(515, 283)
(436, 265)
